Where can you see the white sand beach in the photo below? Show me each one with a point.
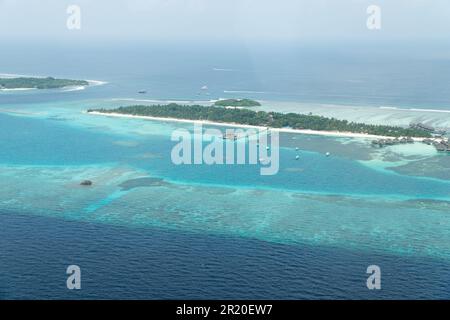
(236, 125)
(17, 89)
(96, 82)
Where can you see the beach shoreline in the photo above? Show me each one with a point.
(17, 89)
(91, 83)
(237, 125)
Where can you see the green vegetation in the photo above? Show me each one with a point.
(39, 83)
(261, 118)
(237, 103)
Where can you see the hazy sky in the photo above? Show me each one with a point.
(224, 20)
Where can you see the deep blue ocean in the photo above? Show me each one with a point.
(138, 263)
(149, 229)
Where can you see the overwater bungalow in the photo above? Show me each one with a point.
(427, 128)
(391, 142)
(441, 147)
(229, 136)
(441, 144)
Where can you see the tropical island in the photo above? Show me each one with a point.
(237, 103)
(248, 117)
(39, 83)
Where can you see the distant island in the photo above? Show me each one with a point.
(237, 103)
(39, 83)
(261, 119)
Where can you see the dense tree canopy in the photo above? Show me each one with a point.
(39, 83)
(237, 103)
(261, 118)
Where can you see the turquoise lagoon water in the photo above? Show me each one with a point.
(221, 226)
